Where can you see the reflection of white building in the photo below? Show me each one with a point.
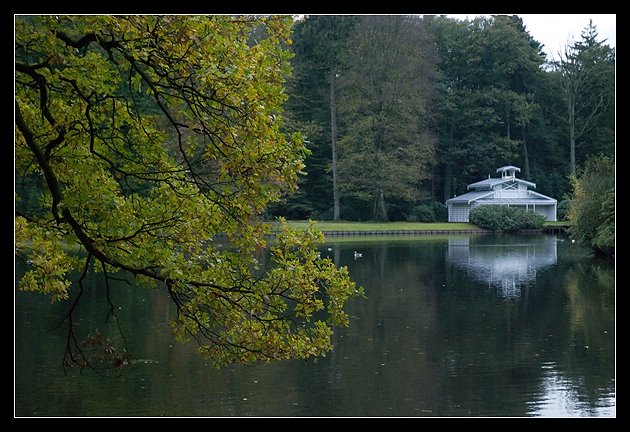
(507, 191)
(504, 266)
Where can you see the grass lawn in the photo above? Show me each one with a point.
(565, 224)
(396, 226)
(384, 226)
(409, 238)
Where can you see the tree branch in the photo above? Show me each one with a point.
(68, 358)
(51, 178)
(593, 114)
(112, 309)
(85, 40)
(43, 89)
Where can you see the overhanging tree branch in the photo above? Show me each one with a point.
(145, 179)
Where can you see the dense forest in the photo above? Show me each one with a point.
(401, 113)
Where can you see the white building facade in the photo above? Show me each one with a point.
(505, 190)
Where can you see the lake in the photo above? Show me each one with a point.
(452, 326)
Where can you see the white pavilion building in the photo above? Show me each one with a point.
(506, 190)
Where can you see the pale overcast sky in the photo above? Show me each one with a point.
(554, 30)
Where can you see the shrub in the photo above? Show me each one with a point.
(495, 217)
(592, 210)
(441, 211)
(563, 209)
(431, 211)
(422, 213)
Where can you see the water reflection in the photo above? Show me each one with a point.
(506, 263)
(561, 398)
(428, 340)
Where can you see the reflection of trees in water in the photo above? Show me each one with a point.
(387, 352)
(426, 341)
(562, 318)
(506, 265)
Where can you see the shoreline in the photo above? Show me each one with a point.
(338, 229)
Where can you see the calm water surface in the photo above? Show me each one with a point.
(452, 326)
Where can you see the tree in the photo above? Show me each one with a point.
(385, 110)
(320, 44)
(592, 207)
(154, 135)
(585, 72)
(490, 69)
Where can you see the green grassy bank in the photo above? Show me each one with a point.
(328, 226)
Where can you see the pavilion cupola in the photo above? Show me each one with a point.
(508, 171)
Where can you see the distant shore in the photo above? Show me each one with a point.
(329, 228)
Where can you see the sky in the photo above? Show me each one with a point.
(554, 30)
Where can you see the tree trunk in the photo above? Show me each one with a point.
(507, 133)
(448, 170)
(379, 211)
(447, 182)
(571, 109)
(432, 181)
(333, 137)
(526, 155)
(572, 144)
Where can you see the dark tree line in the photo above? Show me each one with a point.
(402, 112)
